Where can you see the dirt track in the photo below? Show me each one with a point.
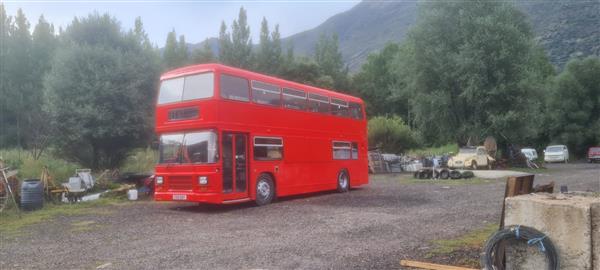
(372, 227)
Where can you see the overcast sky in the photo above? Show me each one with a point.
(196, 19)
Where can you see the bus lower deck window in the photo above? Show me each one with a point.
(342, 150)
(268, 148)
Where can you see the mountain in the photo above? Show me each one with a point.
(564, 28)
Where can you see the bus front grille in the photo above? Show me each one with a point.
(180, 182)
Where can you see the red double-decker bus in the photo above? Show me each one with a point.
(229, 135)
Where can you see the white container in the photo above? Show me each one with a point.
(132, 194)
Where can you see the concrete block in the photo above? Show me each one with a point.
(571, 222)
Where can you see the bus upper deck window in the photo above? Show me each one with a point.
(235, 88)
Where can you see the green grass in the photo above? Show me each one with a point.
(11, 225)
(438, 150)
(140, 161)
(21, 160)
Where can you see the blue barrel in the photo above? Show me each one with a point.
(32, 194)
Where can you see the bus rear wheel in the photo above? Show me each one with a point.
(265, 190)
(343, 181)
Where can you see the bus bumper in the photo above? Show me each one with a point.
(215, 198)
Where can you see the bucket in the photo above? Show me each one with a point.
(132, 194)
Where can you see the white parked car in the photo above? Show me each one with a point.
(530, 153)
(556, 153)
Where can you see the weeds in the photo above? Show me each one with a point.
(18, 159)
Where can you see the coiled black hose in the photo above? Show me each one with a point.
(532, 236)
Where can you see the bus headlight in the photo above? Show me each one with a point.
(202, 180)
(159, 180)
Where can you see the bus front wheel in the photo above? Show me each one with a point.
(343, 181)
(265, 190)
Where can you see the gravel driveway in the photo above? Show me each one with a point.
(369, 228)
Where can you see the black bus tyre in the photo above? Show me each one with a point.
(265, 190)
(343, 181)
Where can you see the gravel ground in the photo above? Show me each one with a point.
(369, 228)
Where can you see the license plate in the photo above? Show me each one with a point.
(179, 197)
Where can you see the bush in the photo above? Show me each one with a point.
(140, 160)
(391, 134)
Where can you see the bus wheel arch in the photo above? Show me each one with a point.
(265, 188)
(343, 180)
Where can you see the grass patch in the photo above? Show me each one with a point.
(11, 225)
(438, 150)
(140, 161)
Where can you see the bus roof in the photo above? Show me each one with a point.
(188, 70)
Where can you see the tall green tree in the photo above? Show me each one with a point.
(269, 57)
(331, 64)
(241, 43)
(19, 93)
(38, 130)
(182, 51)
(203, 54)
(225, 46)
(378, 83)
(171, 58)
(573, 109)
(100, 92)
(7, 123)
(471, 62)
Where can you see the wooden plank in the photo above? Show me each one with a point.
(431, 266)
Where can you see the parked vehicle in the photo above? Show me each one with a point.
(556, 153)
(530, 153)
(471, 157)
(593, 154)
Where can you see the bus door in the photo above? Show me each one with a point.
(235, 165)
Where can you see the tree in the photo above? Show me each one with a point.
(7, 117)
(140, 34)
(391, 134)
(269, 57)
(573, 109)
(183, 54)
(38, 130)
(100, 92)
(471, 64)
(378, 81)
(225, 46)
(203, 54)
(171, 58)
(241, 43)
(19, 94)
(330, 62)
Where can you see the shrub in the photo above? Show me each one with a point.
(391, 134)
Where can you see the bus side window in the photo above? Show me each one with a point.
(234, 88)
(268, 148)
(342, 150)
(356, 111)
(318, 103)
(339, 107)
(354, 150)
(294, 99)
(267, 94)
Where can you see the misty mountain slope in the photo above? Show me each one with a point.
(564, 28)
(363, 29)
